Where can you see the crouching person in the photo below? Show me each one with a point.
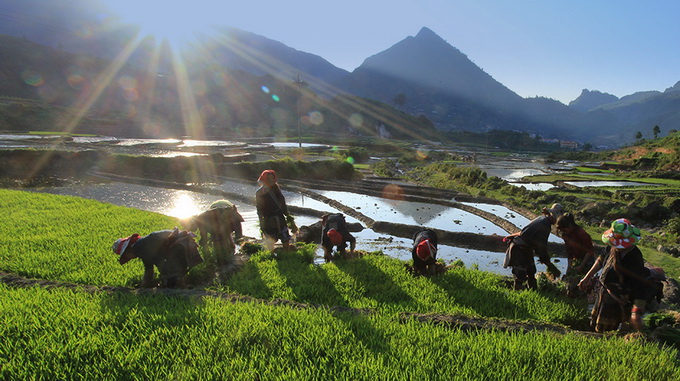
(173, 252)
(216, 225)
(335, 233)
(424, 252)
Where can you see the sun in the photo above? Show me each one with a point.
(178, 21)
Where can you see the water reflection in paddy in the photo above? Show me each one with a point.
(603, 183)
(534, 186)
(182, 203)
(517, 219)
(415, 213)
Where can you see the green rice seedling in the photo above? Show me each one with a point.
(69, 238)
(380, 282)
(71, 334)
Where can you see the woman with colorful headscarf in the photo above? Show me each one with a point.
(272, 210)
(621, 297)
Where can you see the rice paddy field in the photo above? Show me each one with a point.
(344, 319)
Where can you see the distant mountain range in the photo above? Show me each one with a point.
(421, 75)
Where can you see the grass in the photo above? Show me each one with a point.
(69, 238)
(61, 333)
(380, 283)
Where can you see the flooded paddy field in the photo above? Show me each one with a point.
(603, 183)
(185, 203)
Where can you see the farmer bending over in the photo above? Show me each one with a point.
(335, 233)
(173, 252)
(532, 240)
(216, 225)
(424, 252)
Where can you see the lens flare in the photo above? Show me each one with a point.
(350, 159)
(393, 192)
(276, 98)
(130, 95)
(356, 120)
(316, 118)
(75, 80)
(208, 111)
(127, 82)
(32, 78)
(265, 89)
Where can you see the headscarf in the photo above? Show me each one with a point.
(622, 234)
(425, 250)
(264, 174)
(121, 244)
(335, 237)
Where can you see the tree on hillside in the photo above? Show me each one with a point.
(672, 132)
(656, 131)
(399, 100)
(638, 136)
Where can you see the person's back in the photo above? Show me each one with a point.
(173, 252)
(335, 233)
(151, 248)
(424, 252)
(336, 221)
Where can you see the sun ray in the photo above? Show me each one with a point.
(275, 67)
(85, 101)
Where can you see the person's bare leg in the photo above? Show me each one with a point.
(636, 317)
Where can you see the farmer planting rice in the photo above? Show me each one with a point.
(216, 225)
(531, 241)
(424, 252)
(625, 283)
(335, 233)
(272, 211)
(173, 252)
(577, 243)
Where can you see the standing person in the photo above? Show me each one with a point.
(272, 211)
(424, 252)
(334, 232)
(577, 243)
(622, 295)
(174, 252)
(216, 225)
(531, 241)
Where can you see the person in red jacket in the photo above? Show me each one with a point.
(577, 243)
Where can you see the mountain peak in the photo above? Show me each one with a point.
(591, 99)
(426, 32)
(673, 89)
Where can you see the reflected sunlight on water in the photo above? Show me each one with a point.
(182, 206)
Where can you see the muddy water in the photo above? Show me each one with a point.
(183, 203)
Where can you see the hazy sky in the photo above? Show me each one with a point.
(550, 48)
